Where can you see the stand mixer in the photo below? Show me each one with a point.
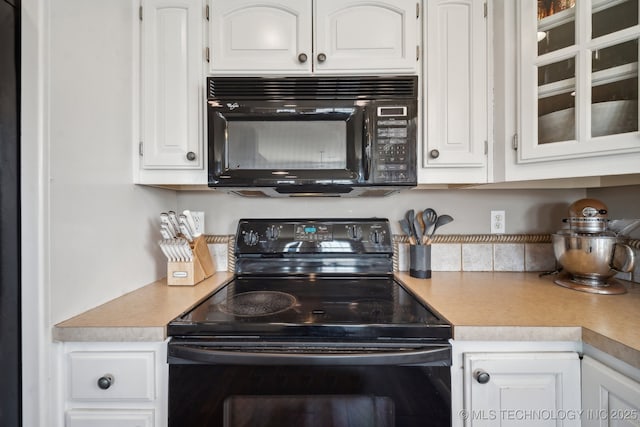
(589, 253)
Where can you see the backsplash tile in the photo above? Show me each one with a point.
(477, 257)
(508, 257)
(446, 257)
(539, 257)
(520, 252)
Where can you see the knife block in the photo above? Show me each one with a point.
(192, 272)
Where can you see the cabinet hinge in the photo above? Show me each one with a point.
(417, 10)
(206, 12)
(140, 149)
(514, 142)
(417, 53)
(485, 9)
(140, 13)
(206, 54)
(486, 147)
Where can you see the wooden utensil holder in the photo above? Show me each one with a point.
(192, 272)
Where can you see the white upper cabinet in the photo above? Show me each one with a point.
(272, 35)
(578, 78)
(171, 91)
(362, 36)
(456, 110)
(323, 36)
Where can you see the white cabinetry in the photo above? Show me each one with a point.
(456, 109)
(108, 384)
(518, 380)
(171, 149)
(608, 397)
(522, 388)
(322, 36)
(566, 88)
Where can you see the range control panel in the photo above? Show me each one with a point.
(314, 236)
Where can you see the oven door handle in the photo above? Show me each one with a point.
(433, 356)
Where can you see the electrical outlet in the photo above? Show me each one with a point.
(498, 222)
(198, 220)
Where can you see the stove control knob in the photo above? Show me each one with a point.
(355, 232)
(251, 238)
(272, 232)
(376, 237)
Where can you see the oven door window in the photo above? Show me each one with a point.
(268, 146)
(306, 396)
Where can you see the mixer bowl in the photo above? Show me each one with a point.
(592, 259)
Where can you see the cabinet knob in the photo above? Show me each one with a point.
(322, 57)
(191, 156)
(303, 58)
(105, 381)
(481, 376)
(434, 154)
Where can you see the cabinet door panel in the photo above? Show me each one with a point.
(578, 71)
(541, 389)
(456, 91)
(608, 397)
(171, 84)
(357, 36)
(256, 37)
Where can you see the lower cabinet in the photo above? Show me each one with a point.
(609, 398)
(115, 384)
(515, 383)
(522, 389)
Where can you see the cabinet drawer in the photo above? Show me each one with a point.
(130, 374)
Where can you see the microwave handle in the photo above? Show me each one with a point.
(366, 148)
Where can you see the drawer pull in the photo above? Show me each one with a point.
(105, 381)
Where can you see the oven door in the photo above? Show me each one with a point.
(276, 384)
(260, 143)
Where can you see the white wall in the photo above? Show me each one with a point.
(527, 211)
(103, 229)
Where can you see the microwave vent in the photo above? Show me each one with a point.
(354, 87)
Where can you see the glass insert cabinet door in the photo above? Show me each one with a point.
(578, 77)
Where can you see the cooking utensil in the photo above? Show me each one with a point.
(410, 216)
(168, 230)
(185, 227)
(191, 222)
(442, 220)
(429, 217)
(165, 220)
(173, 219)
(404, 225)
(419, 229)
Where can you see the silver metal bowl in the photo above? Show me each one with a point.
(592, 259)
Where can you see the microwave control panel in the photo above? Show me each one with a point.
(393, 148)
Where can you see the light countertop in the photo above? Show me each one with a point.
(481, 306)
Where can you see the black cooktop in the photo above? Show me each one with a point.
(312, 308)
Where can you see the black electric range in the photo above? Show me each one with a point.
(312, 330)
(316, 281)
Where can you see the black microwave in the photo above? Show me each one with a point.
(293, 136)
